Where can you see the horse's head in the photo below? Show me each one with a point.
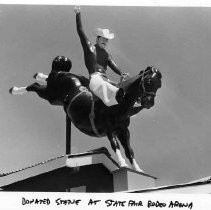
(150, 83)
(61, 63)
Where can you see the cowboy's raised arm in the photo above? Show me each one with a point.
(84, 40)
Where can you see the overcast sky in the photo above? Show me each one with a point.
(171, 140)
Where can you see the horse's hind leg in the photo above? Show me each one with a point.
(17, 90)
(124, 137)
(41, 90)
(116, 148)
(40, 77)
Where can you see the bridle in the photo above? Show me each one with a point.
(143, 76)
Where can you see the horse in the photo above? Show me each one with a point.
(89, 114)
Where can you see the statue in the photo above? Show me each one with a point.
(88, 113)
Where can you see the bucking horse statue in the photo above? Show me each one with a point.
(88, 113)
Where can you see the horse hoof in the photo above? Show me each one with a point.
(10, 90)
(140, 170)
(17, 91)
(135, 166)
(40, 77)
(35, 76)
(125, 165)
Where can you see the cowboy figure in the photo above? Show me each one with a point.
(96, 60)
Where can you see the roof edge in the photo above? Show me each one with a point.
(206, 180)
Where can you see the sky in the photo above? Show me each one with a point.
(171, 140)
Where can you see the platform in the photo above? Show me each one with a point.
(127, 179)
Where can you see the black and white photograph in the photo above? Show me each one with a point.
(98, 98)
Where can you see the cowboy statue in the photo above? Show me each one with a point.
(96, 60)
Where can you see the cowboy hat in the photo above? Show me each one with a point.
(103, 32)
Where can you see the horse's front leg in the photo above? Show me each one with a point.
(124, 137)
(116, 148)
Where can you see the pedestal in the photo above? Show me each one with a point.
(126, 179)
